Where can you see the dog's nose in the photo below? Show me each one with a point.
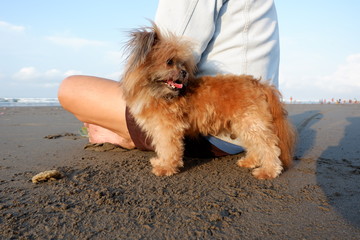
(183, 73)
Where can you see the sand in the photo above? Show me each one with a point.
(109, 193)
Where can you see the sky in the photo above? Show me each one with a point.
(42, 42)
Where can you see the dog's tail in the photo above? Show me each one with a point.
(283, 128)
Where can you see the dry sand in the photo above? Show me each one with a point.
(109, 193)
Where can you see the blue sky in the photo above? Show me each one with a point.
(42, 41)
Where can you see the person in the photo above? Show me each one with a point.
(229, 36)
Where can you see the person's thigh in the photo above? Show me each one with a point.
(96, 101)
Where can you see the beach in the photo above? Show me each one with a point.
(107, 192)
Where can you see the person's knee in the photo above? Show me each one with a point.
(67, 91)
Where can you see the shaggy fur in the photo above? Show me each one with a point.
(168, 102)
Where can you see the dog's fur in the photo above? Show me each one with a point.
(168, 102)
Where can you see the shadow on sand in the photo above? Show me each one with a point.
(303, 123)
(338, 173)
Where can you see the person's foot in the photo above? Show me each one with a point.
(99, 134)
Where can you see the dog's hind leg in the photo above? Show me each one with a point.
(261, 147)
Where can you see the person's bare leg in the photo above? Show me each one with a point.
(99, 103)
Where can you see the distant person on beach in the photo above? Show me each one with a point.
(237, 37)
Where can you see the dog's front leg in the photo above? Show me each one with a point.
(169, 148)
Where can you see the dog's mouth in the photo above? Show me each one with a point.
(174, 85)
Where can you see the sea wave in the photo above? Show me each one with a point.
(28, 102)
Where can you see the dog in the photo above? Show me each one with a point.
(168, 102)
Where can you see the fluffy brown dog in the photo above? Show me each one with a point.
(168, 102)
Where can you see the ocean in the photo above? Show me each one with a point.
(49, 102)
(29, 102)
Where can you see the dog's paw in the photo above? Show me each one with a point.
(247, 162)
(161, 169)
(164, 171)
(265, 173)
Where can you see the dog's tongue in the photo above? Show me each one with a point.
(176, 85)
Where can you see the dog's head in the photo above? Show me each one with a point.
(159, 62)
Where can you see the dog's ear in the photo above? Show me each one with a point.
(141, 43)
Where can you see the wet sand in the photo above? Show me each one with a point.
(109, 193)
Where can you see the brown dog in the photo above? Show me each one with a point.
(168, 102)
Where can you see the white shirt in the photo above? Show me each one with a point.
(230, 36)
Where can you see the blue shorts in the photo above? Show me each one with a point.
(225, 146)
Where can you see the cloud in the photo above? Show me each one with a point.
(52, 73)
(26, 74)
(343, 82)
(75, 42)
(11, 27)
(345, 79)
(50, 85)
(114, 76)
(72, 72)
(30, 76)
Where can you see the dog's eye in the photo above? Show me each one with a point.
(170, 62)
